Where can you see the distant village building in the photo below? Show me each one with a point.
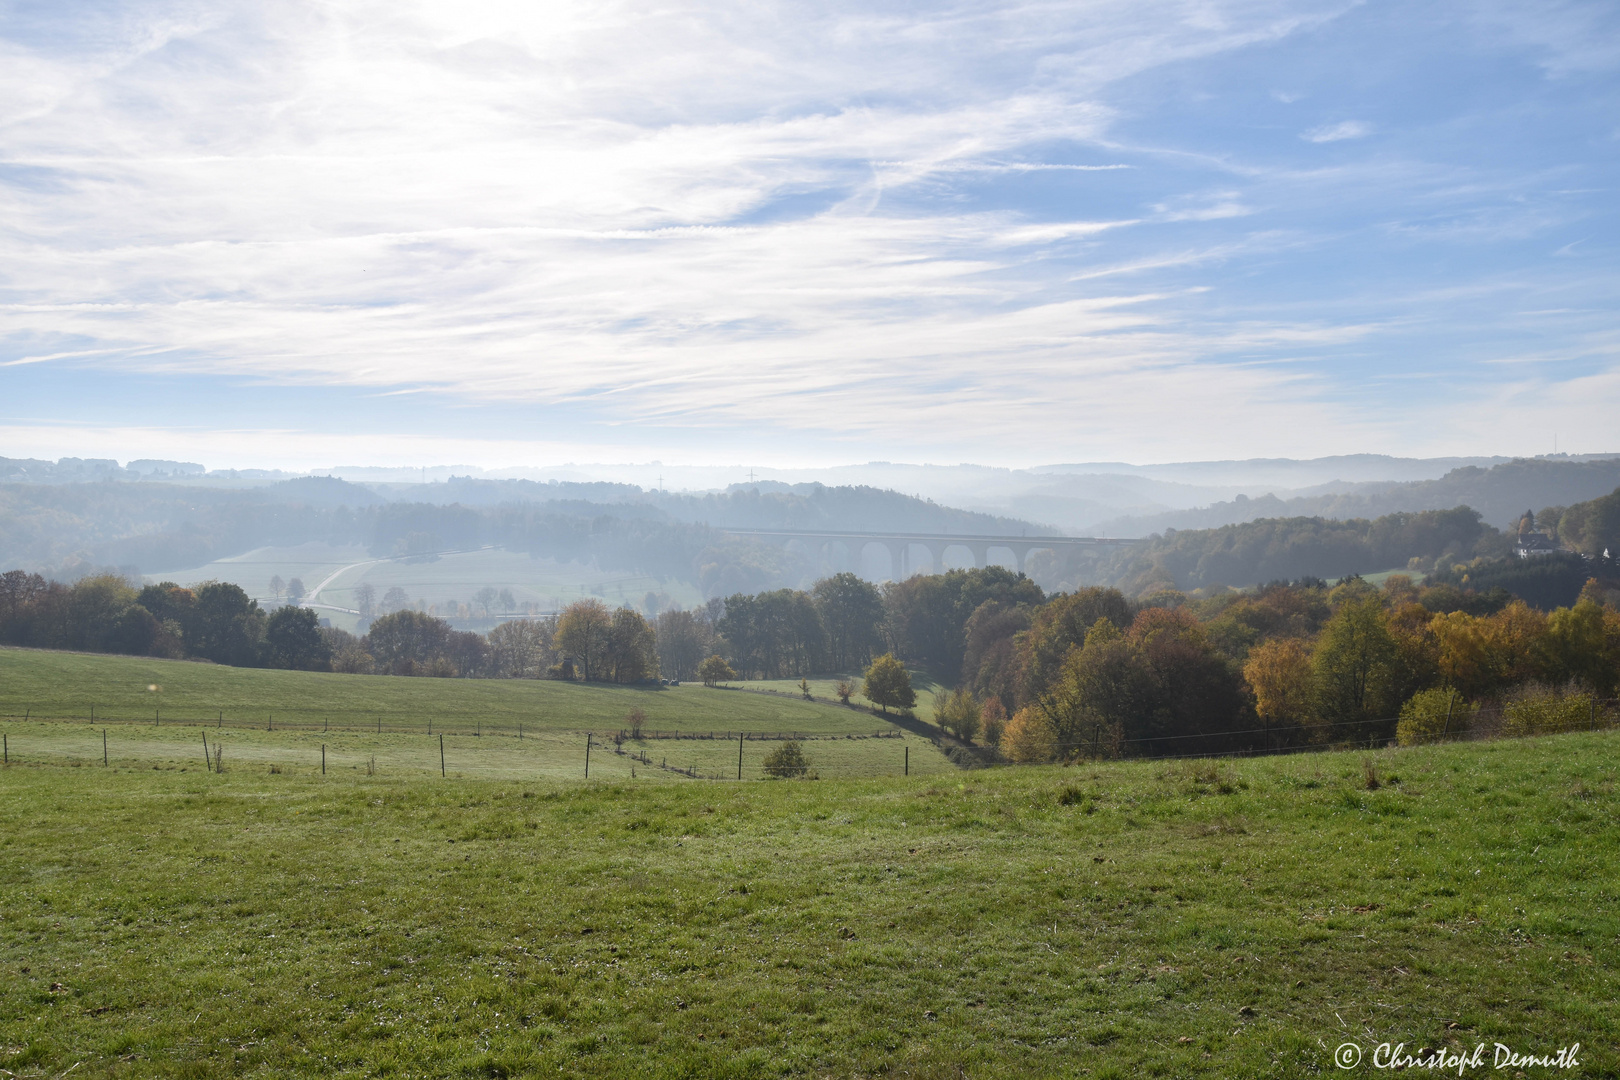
(1533, 541)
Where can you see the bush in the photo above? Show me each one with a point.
(1030, 736)
(1538, 710)
(787, 761)
(1432, 714)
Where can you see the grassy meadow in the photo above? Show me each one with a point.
(67, 685)
(1218, 919)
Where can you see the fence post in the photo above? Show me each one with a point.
(323, 759)
(103, 747)
(587, 755)
(908, 759)
(1450, 704)
(5, 749)
(221, 719)
(441, 756)
(739, 755)
(270, 724)
(205, 749)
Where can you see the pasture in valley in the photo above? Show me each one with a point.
(1200, 918)
(58, 704)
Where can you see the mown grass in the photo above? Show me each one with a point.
(1147, 919)
(57, 684)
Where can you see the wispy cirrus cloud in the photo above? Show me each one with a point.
(1344, 129)
(871, 225)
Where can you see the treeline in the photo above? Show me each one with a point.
(1428, 542)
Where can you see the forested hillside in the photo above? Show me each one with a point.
(1500, 494)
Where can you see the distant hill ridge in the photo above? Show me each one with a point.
(1500, 493)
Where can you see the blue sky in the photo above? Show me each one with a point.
(801, 234)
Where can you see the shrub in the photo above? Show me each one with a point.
(787, 761)
(844, 690)
(1432, 714)
(637, 720)
(1539, 710)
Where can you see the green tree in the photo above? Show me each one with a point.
(715, 671)
(888, 683)
(1355, 668)
(409, 643)
(226, 625)
(852, 615)
(293, 640)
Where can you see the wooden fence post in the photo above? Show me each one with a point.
(587, 755)
(103, 746)
(323, 759)
(441, 755)
(739, 755)
(908, 760)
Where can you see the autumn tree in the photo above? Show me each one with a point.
(958, 713)
(523, 648)
(630, 653)
(582, 633)
(715, 671)
(1279, 673)
(888, 683)
(683, 640)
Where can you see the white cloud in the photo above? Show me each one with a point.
(692, 218)
(1344, 129)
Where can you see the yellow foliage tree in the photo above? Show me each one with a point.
(1030, 736)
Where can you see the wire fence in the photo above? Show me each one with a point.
(218, 745)
(381, 742)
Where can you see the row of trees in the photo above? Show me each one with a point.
(1291, 665)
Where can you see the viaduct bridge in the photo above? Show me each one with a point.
(821, 543)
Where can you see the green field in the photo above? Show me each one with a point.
(68, 685)
(493, 729)
(1207, 919)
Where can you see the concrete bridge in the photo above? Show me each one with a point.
(820, 544)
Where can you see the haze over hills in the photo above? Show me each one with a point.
(1097, 498)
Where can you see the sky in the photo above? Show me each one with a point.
(316, 233)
